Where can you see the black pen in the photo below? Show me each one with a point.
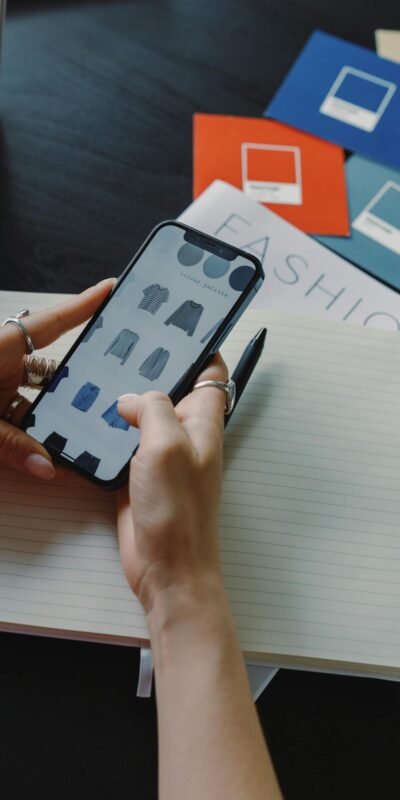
(246, 365)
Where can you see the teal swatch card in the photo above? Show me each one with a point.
(374, 207)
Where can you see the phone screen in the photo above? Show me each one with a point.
(156, 324)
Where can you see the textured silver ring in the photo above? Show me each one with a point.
(39, 370)
(229, 388)
(16, 320)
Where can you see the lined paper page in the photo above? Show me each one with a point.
(59, 560)
(310, 531)
(310, 538)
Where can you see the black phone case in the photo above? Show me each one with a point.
(185, 384)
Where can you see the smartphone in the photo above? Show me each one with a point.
(168, 313)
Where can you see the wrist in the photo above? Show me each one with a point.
(187, 618)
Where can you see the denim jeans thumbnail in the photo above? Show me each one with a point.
(113, 419)
(86, 396)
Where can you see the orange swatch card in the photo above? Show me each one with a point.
(298, 176)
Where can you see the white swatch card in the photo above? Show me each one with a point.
(388, 44)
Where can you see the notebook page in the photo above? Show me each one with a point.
(310, 533)
(298, 539)
(59, 560)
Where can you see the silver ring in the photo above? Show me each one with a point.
(39, 370)
(15, 402)
(229, 388)
(16, 320)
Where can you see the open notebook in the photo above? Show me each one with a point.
(310, 538)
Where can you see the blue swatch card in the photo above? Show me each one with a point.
(343, 93)
(374, 206)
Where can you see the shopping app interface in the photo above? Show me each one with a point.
(155, 326)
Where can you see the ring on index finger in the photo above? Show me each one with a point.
(229, 387)
(16, 320)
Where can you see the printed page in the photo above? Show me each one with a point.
(310, 537)
(59, 559)
(301, 276)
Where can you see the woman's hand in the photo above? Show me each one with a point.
(209, 736)
(17, 449)
(168, 523)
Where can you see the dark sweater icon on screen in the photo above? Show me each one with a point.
(154, 364)
(186, 316)
(123, 344)
(113, 419)
(55, 443)
(95, 326)
(30, 421)
(154, 296)
(64, 372)
(88, 462)
(86, 396)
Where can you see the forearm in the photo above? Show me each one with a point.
(210, 741)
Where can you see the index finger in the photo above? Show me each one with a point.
(202, 412)
(155, 416)
(44, 327)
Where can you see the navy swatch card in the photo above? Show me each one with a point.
(344, 93)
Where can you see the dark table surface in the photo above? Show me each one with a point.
(96, 100)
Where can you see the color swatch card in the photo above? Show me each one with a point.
(345, 94)
(388, 44)
(374, 198)
(299, 177)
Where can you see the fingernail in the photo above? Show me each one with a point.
(106, 280)
(126, 397)
(40, 466)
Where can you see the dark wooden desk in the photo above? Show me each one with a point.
(96, 101)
